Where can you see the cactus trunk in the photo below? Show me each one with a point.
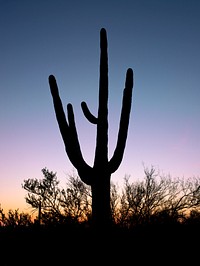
(101, 211)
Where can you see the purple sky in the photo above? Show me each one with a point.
(160, 40)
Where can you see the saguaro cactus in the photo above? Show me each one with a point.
(98, 176)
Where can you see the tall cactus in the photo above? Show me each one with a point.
(98, 176)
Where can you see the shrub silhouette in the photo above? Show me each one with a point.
(56, 205)
(156, 200)
(98, 176)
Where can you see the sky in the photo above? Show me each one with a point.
(158, 39)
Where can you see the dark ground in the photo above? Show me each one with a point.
(158, 245)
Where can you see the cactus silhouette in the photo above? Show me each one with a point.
(98, 176)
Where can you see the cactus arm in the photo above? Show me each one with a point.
(124, 122)
(101, 152)
(75, 155)
(60, 114)
(72, 140)
(90, 117)
(69, 133)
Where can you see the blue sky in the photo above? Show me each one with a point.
(159, 40)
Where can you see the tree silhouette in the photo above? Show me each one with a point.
(98, 176)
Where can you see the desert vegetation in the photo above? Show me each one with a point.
(155, 200)
(156, 210)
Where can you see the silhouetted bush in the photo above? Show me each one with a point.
(155, 200)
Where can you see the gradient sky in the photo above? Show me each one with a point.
(159, 40)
